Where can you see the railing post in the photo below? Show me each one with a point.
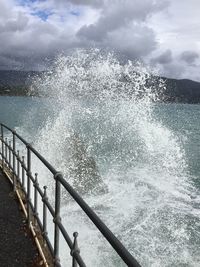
(28, 182)
(36, 196)
(9, 154)
(75, 249)
(57, 219)
(2, 143)
(76, 259)
(6, 150)
(18, 161)
(14, 171)
(44, 198)
(23, 172)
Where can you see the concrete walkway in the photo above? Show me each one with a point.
(17, 248)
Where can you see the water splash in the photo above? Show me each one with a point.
(104, 135)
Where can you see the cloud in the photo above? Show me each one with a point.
(173, 70)
(138, 41)
(122, 27)
(189, 56)
(119, 16)
(34, 30)
(148, 30)
(164, 58)
(93, 3)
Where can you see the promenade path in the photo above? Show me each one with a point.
(17, 248)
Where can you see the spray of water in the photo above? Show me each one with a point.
(103, 134)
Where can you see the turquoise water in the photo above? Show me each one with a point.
(181, 227)
(134, 160)
(182, 119)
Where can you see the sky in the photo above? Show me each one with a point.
(164, 34)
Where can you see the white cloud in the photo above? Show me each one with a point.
(150, 30)
(189, 56)
(135, 41)
(177, 29)
(164, 58)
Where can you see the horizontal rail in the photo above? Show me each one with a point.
(115, 243)
(45, 162)
(32, 185)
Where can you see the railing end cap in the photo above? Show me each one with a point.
(57, 174)
(28, 145)
(75, 234)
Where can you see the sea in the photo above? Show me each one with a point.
(134, 159)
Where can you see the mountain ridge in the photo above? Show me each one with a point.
(13, 82)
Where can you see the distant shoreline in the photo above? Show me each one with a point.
(17, 83)
(160, 102)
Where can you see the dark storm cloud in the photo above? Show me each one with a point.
(173, 70)
(27, 39)
(164, 58)
(189, 56)
(135, 42)
(122, 27)
(119, 25)
(116, 16)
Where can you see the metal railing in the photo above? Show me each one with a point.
(20, 168)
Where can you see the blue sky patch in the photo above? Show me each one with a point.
(75, 13)
(43, 14)
(26, 2)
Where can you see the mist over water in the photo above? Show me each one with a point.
(102, 131)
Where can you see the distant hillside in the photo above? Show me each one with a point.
(181, 91)
(15, 82)
(13, 77)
